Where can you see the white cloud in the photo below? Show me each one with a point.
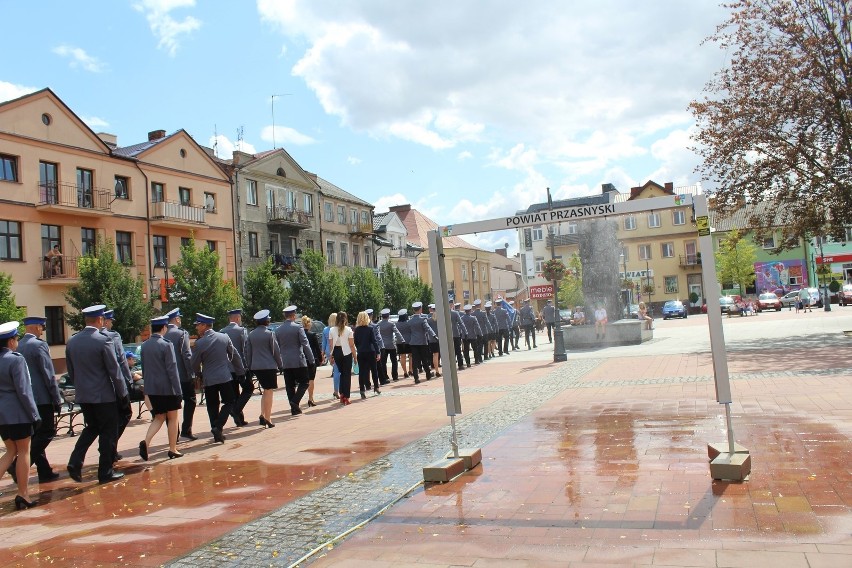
(281, 135)
(352, 160)
(94, 122)
(167, 29)
(225, 147)
(79, 58)
(383, 204)
(10, 91)
(464, 155)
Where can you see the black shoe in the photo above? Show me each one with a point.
(48, 477)
(405, 375)
(416, 381)
(296, 411)
(173, 455)
(263, 421)
(217, 435)
(118, 457)
(21, 503)
(76, 473)
(385, 382)
(377, 391)
(363, 395)
(143, 450)
(114, 476)
(311, 403)
(188, 435)
(239, 422)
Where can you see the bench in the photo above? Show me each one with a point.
(68, 414)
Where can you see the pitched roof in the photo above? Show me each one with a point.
(379, 220)
(766, 213)
(331, 190)
(417, 224)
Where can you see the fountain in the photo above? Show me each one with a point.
(599, 254)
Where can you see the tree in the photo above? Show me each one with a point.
(264, 291)
(200, 285)
(571, 286)
(735, 260)
(397, 288)
(365, 290)
(775, 125)
(422, 291)
(316, 290)
(9, 310)
(104, 280)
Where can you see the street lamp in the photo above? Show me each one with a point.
(559, 354)
(164, 264)
(826, 305)
(627, 298)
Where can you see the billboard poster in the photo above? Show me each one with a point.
(780, 276)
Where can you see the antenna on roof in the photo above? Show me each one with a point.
(273, 115)
(215, 142)
(240, 138)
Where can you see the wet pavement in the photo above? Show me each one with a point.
(601, 460)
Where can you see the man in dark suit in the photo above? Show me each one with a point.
(99, 390)
(473, 333)
(243, 387)
(421, 333)
(45, 392)
(213, 355)
(296, 354)
(179, 338)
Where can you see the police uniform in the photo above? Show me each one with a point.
(100, 389)
(46, 394)
(459, 333)
(482, 319)
(391, 337)
(263, 354)
(492, 324)
(502, 316)
(548, 314)
(243, 386)
(514, 326)
(125, 413)
(179, 339)
(527, 316)
(473, 333)
(296, 354)
(162, 382)
(420, 335)
(18, 411)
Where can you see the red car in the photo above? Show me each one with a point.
(768, 301)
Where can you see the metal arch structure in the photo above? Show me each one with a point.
(705, 246)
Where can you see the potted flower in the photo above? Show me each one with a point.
(554, 269)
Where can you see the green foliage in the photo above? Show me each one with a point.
(364, 291)
(316, 289)
(9, 311)
(200, 285)
(264, 291)
(833, 286)
(423, 291)
(104, 280)
(570, 292)
(398, 288)
(693, 297)
(735, 260)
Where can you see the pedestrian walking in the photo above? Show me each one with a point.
(515, 325)
(420, 335)
(100, 390)
(391, 337)
(242, 383)
(482, 319)
(263, 358)
(296, 354)
(18, 413)
(502, 316)
(326, 353)
(528, 323)
(404, 348)
(374, 363)
(179, 339)
(548, 314)
(125, 413)
(342, 347)
(473, 334)
(318, 357)
(367, 350)
(459, 333)
(434, 346)
(162, 387)
(492, 335)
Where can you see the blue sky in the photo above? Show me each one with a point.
(467, 110)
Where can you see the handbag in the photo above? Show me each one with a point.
(355, 368)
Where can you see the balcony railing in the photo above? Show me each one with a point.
(689, 260)
(58, 268)
(405, 252)
(361, 229)
(71, 195)
(176, 212)
(287, 215)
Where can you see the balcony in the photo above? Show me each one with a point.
(689, 261)
(361, 229)
(283, 264)
(170, 213)
(280, 215)
(69, 198)
(406, 252)
(61, 271)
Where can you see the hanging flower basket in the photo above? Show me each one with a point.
(628, 284)
(554, 270)
(648, 289)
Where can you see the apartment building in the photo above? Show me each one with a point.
(346, 227)
(392, 244)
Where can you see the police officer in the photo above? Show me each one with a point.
(100, 389)
(295, 353)
(374, 365)
(434, 346)
(527, 316)
(421, 333)
(162, 387)
(514, 325)
(212, 357)
(45, 392)
(391, 337)
(243, 386)
(459, 332)
(263, 358)
(492, 323)
(179, 339)
(482, 319)
(548, 314)
(473, 333)
(502, 326)
(124, 412)
(404, 348)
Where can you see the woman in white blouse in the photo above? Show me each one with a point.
(342, 347)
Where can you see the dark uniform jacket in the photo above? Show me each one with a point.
(238, 336)
(471, 325)
(421, 333)
(390, 334)
(213, 355)
(160, 364)
(482, 318)
(93, 366)
(43, 375)
(180, 340)
(17, 405)
(295, 349)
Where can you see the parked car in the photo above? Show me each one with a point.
(816, 297)
(727, 304)
(674, 308)
(789, 299)
(565, 315)
(768, 301)
(844, 297)
(632, 311)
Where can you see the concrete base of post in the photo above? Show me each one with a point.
(472, 457)
(444, 470)
(729, 466)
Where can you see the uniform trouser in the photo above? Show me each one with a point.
(102, 424)
(480, 347)
(516, 337)
(219, 416)
(366, 361)
(188, 390)
(529, 331)
(421, 357)
(243, 389)
(296, 384)
(477, 349)
(503, 340)
(550, 332)
(457, 347)
(41, 438)
(383, 368)
(124, 416)
(468, 345)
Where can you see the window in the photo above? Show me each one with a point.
(253, 248)
(309, 204)
(158, 192)
(344, 254)
(184, 242)
(329, 212)
(464, 272)
(122, 247)
(341, 215)
(484, 274)
(121, 187)
(251, 192)
(309, 244)
(210, 202)
(572, 228)
(769, 242)
(678, 217)
(85, 187)
(51, 235)
(8, 168)
(185, 196)
(353, 216)
(539, 264)
(625, 250)
(161, 255)
(667, 250)
(211, 246)
(281, 172)
(329, 251)
(653, 220)
(630, 223)
(671, 284)
(537, 234)
(87, 237)
(644, 252)
(291, 199)
(54, 327)
(367, 257)
(473, 272)
(10, 240)
(365, 219)
(270, 196)
(356, 256)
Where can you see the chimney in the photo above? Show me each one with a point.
(669, 187)
(156, 135)
(607, 187)
(502, 251)
(401, 208)
(110, 140)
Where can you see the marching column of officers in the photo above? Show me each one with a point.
(221, 363)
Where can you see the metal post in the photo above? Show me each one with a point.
(559, 354)
(826, 305)
(730, 425)
(454, 440)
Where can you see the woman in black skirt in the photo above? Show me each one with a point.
(162, 387)
(263, 358)
(18, 412)
(313, 341)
